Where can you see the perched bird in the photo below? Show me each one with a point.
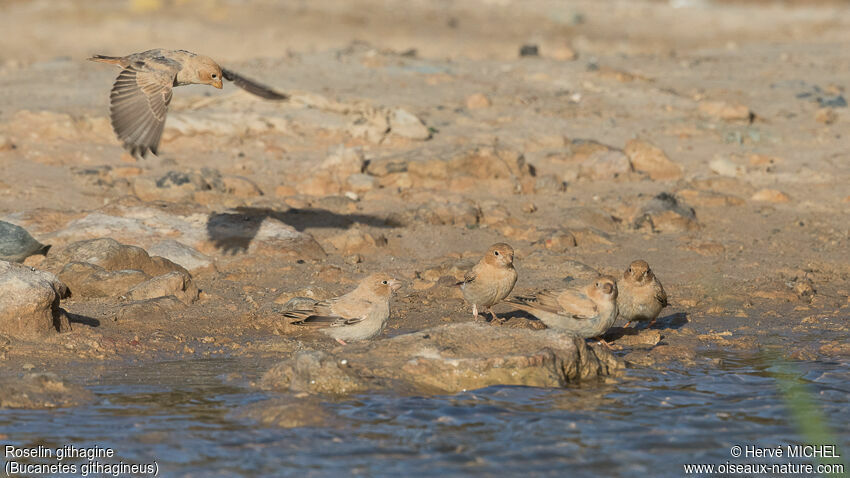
(491, 280)
(586, 312)
(358, 315)
(141, 93)
(641, 296)
(16, 244)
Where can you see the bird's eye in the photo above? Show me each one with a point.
(384, 282)
(214, 76)
(496, 253)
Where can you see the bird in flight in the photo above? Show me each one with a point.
(141, 93)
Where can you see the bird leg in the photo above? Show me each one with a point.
(493, 316)
(474, 312)
(627, 324)
(342, 342)
(651, 322)
(608, 346)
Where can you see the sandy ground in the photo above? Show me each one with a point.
(746, 100)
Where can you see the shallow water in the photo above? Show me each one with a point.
(180, 414)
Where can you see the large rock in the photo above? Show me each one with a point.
(446, 359)
(29, 301)
(35, 391)
(666, 213)
(114, 256)
(89, 280)
(16, 244)
(650, 159)
(177, 283)
(186, 256)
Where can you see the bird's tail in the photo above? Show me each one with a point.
(522, 301)
(114, 60)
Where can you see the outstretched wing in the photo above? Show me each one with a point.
(139, 103)
(252, 86)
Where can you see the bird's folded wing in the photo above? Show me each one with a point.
(576, 304)
(138, 105)
(252, 86)
(307, 317)
(545, 301)
(661, 297)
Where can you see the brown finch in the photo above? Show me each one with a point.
(585, 312)
(641, 296)
(141, 93)
(491, 280)
(358, 315)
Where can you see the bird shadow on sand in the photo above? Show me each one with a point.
(233, 231)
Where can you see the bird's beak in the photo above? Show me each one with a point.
(395, 285)
(607, 288)
(218, 83)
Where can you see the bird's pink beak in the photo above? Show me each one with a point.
(395, 285)
(218, 84)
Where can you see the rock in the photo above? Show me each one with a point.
(648, 158)
(160, 309)
(352, 240)
(36, 391)
(16, 244)
(586, 236)
(430, 169)
(89, 280)
(826, 116)
(371, 125)
(249, 230)
(560, 241)
(286, 413)
(29, 301)
(179, 284)
(176, 186)
(452, 213)
(703, 198)
(560, 52)
(726, 167)
(665, 213)
(407, 125)
(770, 195)
(491, 163)
(549, 183)
(605, 165)
(384, 167)
(240, 187)
(361, 183)
(185, 256)
(575, 271)
(446, 359)
(726, 111)
(529, 50)
(6, 144)
(299, 303)
(344, 162)
(285, 191)
(477, 101)
(111, 255)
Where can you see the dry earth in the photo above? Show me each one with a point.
(708, 139)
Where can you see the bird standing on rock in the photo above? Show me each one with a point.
(491, 280)
(358, 315)
(586, 312)
(641, 295)
(141, 93)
